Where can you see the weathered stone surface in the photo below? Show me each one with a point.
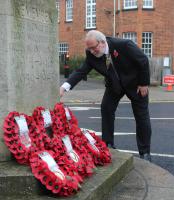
(29, 71)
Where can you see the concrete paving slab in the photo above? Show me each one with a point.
(145, 182)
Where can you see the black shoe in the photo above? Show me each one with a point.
(111, 146)
(146, 156)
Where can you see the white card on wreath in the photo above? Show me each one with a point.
(74, 156)
(67, 113)
(22, 124)
(25, 139)
(45, 156)
(94, 147)
(67, 142)
(23, 130)
(88, 136)
(52, 165)
(47, 118)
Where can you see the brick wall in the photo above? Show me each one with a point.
(159, 21)
(74, 32)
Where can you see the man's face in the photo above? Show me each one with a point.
(95, 47)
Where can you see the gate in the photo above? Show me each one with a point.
(156, 67)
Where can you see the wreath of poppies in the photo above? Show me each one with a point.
(49, 140)
(62, 180)
(80, 160)
(97, 148)
(71, 129)
(21, 145)
(100, 151)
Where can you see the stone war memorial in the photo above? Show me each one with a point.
(29, 70)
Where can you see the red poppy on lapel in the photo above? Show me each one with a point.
(115, 53)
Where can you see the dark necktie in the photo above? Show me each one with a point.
(108, 60)
(109, 63)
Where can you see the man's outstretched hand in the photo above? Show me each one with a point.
(61, 91)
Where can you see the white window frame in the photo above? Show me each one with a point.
(58, 10)
(147, 43)
(130, 4)
(130, 36)
(90, 14)
(146, 4)
(63, 48)
(118, 5)
(69, 10)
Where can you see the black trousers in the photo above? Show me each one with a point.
(141, 113)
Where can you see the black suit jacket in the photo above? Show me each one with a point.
(130, 62)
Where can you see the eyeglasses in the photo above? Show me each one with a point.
(94, 47)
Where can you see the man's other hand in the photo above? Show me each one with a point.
(142, 90)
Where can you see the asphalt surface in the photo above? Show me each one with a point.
(162, 119)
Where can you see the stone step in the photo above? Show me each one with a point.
(17, 181)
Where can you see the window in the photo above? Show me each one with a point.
(63, 48)
(147, 43)
(90, 13)
(147, 3)
(69, 10)
(130, 4)
(131, 36)
(58, 9)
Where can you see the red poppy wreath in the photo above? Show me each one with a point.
(97, 148)
(83, 141)
(61, 180)
(70, 129)
(22, 136)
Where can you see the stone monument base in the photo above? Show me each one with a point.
(17, 181)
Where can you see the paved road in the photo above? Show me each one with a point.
(162, 120)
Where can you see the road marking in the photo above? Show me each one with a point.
(115, 133)
(160, 101)
(153, 154)
(153, 118)
(83, 108)
(121, 102)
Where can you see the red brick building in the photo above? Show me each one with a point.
(149, 23)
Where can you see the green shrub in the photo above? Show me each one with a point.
(73, 63)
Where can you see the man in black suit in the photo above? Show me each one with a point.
(126, 71)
